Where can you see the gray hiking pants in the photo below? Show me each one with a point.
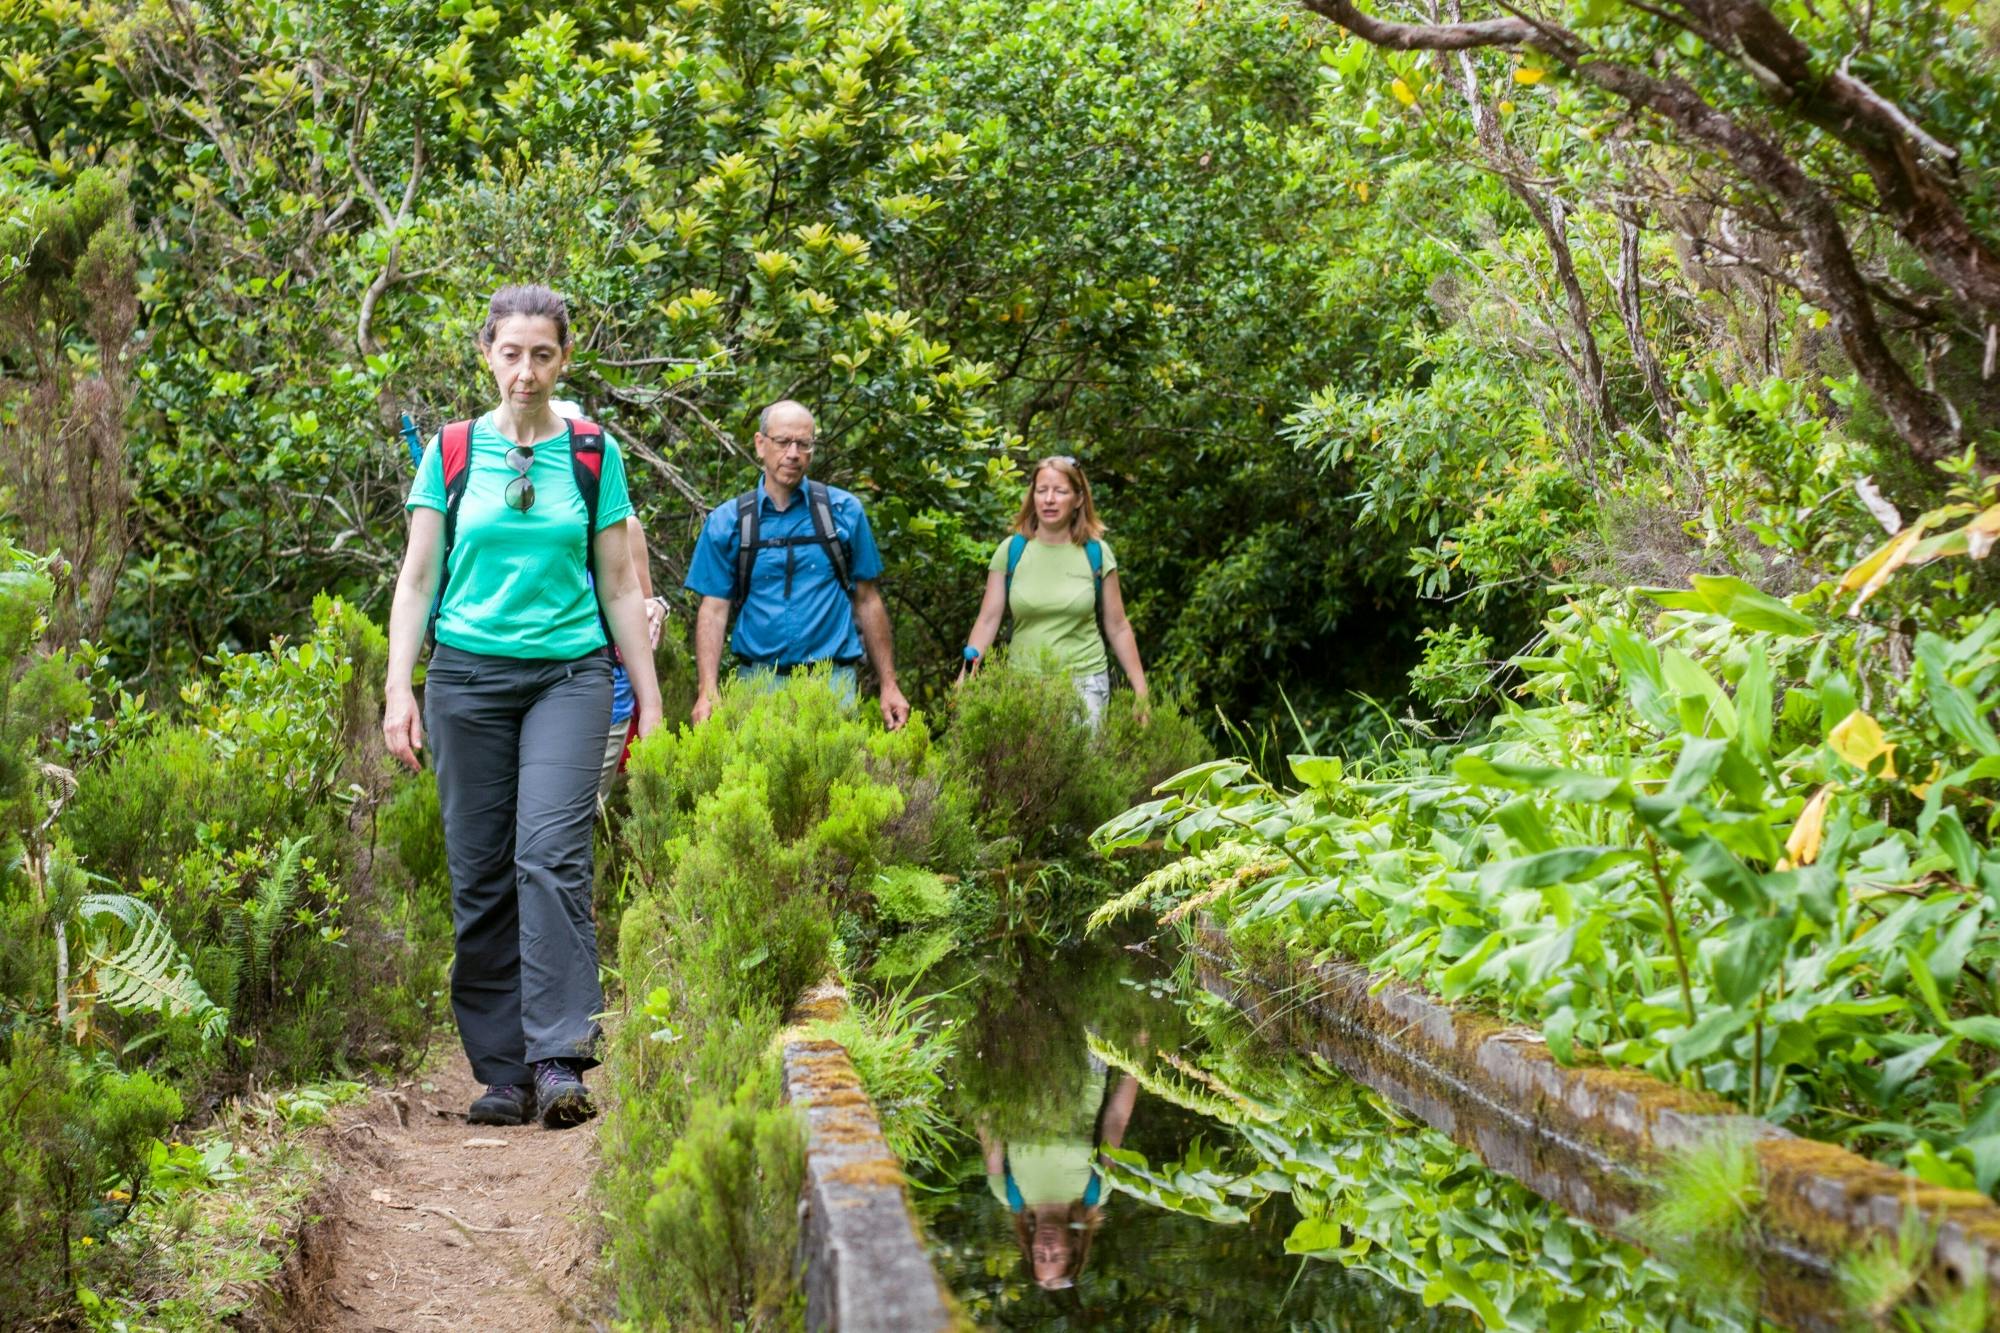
(518, 744)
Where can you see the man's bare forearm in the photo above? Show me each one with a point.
(876, 637)
(710, 625)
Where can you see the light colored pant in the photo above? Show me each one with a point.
(614, 750)
(842, 679)
(1095, 691)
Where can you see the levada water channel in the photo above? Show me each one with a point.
(1131, 1153)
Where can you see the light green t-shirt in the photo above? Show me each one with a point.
(517, 585)
(1054, 603)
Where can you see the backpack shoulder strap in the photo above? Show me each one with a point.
(455, 452)
(586, 465)
(1017, 546)
(819, 501)
(1094, 549)
(746, 548)
(586, 461)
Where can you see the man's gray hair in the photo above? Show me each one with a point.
(783, 404)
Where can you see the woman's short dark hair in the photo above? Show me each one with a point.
(530, 299)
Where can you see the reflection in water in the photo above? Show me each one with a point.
(1053, 1184)
(1143, 1162)
(1052, 1224)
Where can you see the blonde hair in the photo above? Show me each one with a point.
(1084, 525)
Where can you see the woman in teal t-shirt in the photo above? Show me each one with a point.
(515, 699)
(1054, 593)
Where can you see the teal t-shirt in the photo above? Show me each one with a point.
(1054, 602)
(517, 584)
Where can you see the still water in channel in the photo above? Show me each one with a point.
(1133, 1157)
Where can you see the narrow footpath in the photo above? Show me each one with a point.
(441, 1224)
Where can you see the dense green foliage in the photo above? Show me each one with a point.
(1396, 369)
(190, 907)
(784, 833)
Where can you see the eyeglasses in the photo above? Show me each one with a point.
(785, 446)
(520, 492)
(1067, 460)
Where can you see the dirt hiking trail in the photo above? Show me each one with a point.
(443, 1225)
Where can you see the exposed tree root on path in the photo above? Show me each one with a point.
(440, 1224)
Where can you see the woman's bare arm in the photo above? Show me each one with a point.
(409, 619)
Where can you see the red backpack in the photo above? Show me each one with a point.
(586, 458)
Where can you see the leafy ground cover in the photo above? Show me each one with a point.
(220, 1216)
(1737, 841)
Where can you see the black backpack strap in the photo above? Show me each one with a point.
(820, 501)
(746, 549)
(455, 454)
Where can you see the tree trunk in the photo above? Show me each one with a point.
(1631, 314)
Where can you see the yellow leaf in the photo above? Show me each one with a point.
(1858, 739)
(1802, 848)
(1361, 188)
(1403, 93)
(1525, 74)
(1506, 108)
(1873, 574)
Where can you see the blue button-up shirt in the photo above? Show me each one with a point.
(815, 621)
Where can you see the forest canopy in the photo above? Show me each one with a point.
(1374, 327)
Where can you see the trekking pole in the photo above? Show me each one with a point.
(414, 440)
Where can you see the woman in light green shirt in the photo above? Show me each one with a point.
(1058, 577)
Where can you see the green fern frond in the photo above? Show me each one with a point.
(149, 970)
(1190, 873)
(272, 904)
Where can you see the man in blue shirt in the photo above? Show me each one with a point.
(795, 613)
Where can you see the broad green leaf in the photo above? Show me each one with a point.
(1462, 1283)
(1707, 1036)
(1722, 874)
(1750, 608)
(1521, 819)
(1753, 703)
(1749, 958)
(1320, 772)
(1639, 664)
(1315, 1235)
(1948, 832)
(1954, 707)
(1897, 1072)
(1704, 708)
(1565, 783)
(1699, 759)
(1553, 867)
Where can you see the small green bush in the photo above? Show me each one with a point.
(910, 895)
(721, 1225)
(899, 1047)
(1020, 744)
(1019, 741)
(76, 1143)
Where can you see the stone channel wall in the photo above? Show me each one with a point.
(863, 1260)
(1592, 1138)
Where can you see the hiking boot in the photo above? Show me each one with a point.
(560, 1094)
(503, 1104)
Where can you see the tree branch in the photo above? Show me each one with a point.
(364, 338)
(1923, 420)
